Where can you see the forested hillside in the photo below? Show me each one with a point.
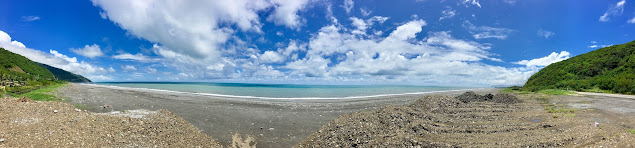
(64, 75)
(610, 69)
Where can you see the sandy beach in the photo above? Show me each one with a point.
(274, 123)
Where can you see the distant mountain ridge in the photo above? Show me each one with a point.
(15, 67)
(65, 75)
(610, 69)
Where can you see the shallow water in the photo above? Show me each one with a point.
(282, 90)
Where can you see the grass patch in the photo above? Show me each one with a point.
(570, 115)
(81, 106)
(631, 131)
(515, 89)
(556, 92)
(43, 94)
(559, 110)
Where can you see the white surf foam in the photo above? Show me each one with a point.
(274, 98)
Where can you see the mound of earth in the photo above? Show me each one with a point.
(26, 123)
(469, 120)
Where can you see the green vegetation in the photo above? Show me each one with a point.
(21, 77)
(63, 75)
(43, 94)
(610, 69)
(556, 92)
(631, 131)
(559, 110)
(80, 106)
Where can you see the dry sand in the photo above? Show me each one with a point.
(274, 123)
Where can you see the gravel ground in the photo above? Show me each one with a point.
(471, 120)
(27, 123)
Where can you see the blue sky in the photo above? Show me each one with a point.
(422, 42)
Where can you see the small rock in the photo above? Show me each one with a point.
(1, 139)
(271, 129)
(79, 110)
(54, 111)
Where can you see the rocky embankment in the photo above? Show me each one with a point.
(469, 120)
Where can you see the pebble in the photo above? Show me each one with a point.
(1, 139)
(54, 111)
(271, 129)
(79, 110)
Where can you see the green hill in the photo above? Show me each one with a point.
(19, 75)
(609, 69)
(20, 67)
(63, 75)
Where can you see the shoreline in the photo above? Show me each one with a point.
(281, 98)
(273, 122)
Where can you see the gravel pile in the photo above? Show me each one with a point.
(27, 123)
(470, 96)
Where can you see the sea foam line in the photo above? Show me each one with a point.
(272, 98)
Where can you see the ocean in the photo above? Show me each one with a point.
(288, 91)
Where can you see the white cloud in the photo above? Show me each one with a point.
(546, 34)
(448, 13)
(271, 57)
(601, 46)
(151, 70)
(544, 61)
(286, 13)
(473, 2)
(196, 29)
(128, 68)
(29, 18)
(483, 32)
(52, 58)
(365, 12)
(135, 57)
(90, 51)
(348, 5)
(632, 21)
(616, 10)
(111, 69)
(338, 53)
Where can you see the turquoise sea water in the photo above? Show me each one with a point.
(282, 90)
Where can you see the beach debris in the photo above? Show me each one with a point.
(597, 124)
(54, 111)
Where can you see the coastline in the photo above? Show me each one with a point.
(273, 122)
(281, 98)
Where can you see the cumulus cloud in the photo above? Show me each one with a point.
(483, 32)
(286, 13)
(614, 10)
(29, 18)
(544, 61)
(632, 21)
(52, 58)
(135, 57)
(271, 57)
(128, 68)
(438, 58)
(90, 51)
(546, 34)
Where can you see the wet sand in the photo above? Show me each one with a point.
(274, 123)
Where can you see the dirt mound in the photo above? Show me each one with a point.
(440, 121)
(470, 96)
(55, 124)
